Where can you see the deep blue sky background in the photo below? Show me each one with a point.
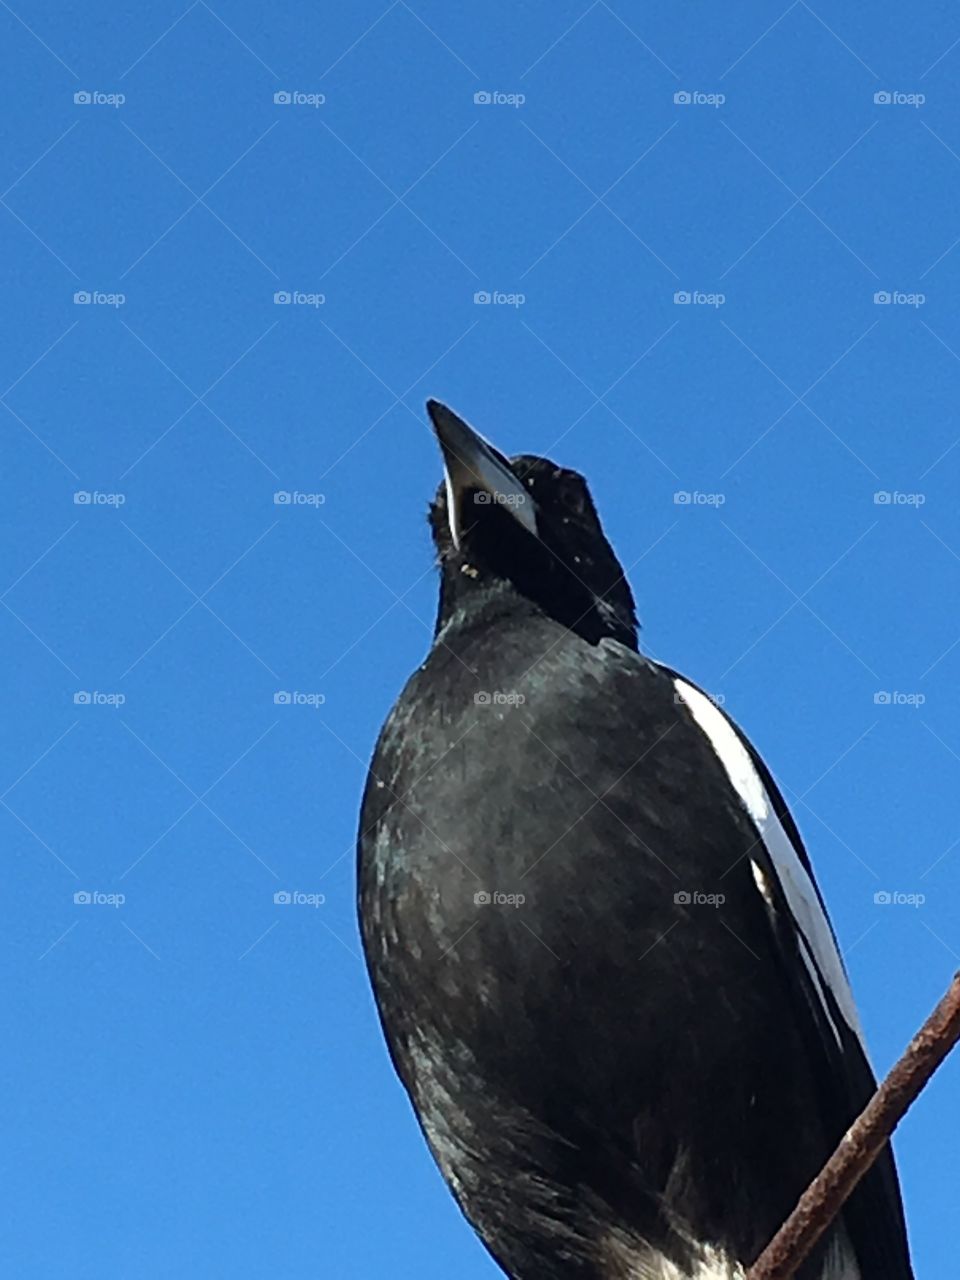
(194, 1081)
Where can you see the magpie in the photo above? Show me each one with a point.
(603, 967)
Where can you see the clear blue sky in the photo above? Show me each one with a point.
(194, 1080)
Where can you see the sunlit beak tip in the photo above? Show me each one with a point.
(472, 463)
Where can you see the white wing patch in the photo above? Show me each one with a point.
(620, 1254)
(816, 943)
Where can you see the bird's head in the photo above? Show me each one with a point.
(523, 525)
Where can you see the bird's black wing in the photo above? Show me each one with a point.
(823, 1003)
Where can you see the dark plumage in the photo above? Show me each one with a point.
(618, 1079)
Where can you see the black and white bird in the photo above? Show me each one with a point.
(602, 963)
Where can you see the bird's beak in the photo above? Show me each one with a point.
(472, 465)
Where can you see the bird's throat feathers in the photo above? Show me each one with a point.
(478, 589)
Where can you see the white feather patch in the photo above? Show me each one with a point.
(817, 946)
